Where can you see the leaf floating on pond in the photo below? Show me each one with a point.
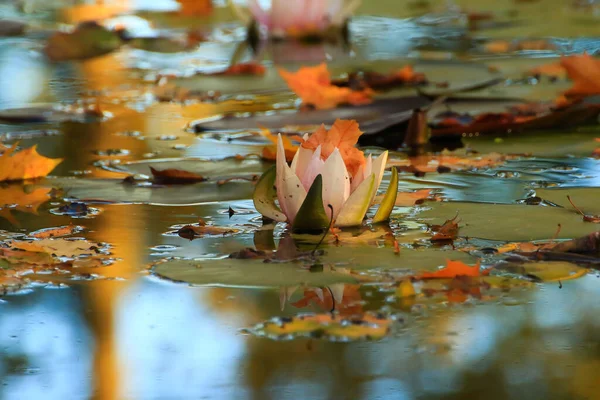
(452, 269)
(59, 231)
(587, 218)
(192, 232)
(330, 327)
(87, 40)
(446, 232)
(25, 164)
(175, 176)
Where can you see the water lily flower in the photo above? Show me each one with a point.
(298, 17)
(328, 179)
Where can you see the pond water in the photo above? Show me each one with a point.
(132, 330)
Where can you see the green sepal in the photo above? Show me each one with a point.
(312, 215)
(389, 199)
(265, 194)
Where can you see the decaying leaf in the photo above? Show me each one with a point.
(21, 258)
(446, 232)
(57, 232)
(175, 176)
(446, 162)
(88, 40)
(326, 326)
(25, 164)
(202, 229)
(405, 76)
(586, 217)
(251, 68)
(313, 85)
(584, 71)
(452, 269)
(195, 7)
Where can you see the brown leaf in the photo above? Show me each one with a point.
(175, 176)
(584, 71)
(446, 232)
(192, 232)
(55, 232)
(249, 68)
(586, 217)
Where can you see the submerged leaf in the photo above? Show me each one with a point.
(326, 326)
(87, 40)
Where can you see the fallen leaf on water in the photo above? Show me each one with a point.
(25, 164)
(332, 327)
(195, 7)
(584, 71)
(249, 68)
(409, 199)
(313, 85)
(87, 40)
(202, 229)
(59, 231)
(446, 232)
(270, 152)
(553, 70)
(175, 176)
(420, 165)
(360, 80)
(452, 270)
(586, 217)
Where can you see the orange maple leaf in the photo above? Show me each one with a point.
(313, 85)
(25, 164)
(584, 71)
(452, 270)
(344, 135)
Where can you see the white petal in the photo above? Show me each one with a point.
(378, 168)
(336, 183)
(337, 290)
(290, 192)
(355, 208)
(314, 168)
(300, 162)
(357, 178)
(368, 167)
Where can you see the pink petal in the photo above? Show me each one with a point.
(314, 168)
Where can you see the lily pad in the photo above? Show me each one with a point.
(114, 190)
(509, 222)
(246, 273)
(587, 199)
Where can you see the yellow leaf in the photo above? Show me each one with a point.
(25, 164)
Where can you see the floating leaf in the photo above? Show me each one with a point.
(584, 71)
(452, 269)
(202, 229)
(313, 85)
(175, 176)
(87, 40)
(59, 231)
(25, 164)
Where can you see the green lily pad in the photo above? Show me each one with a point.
(114, 190)
(509, 222)
(586, 199)
(211, 169)
(246, 273)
